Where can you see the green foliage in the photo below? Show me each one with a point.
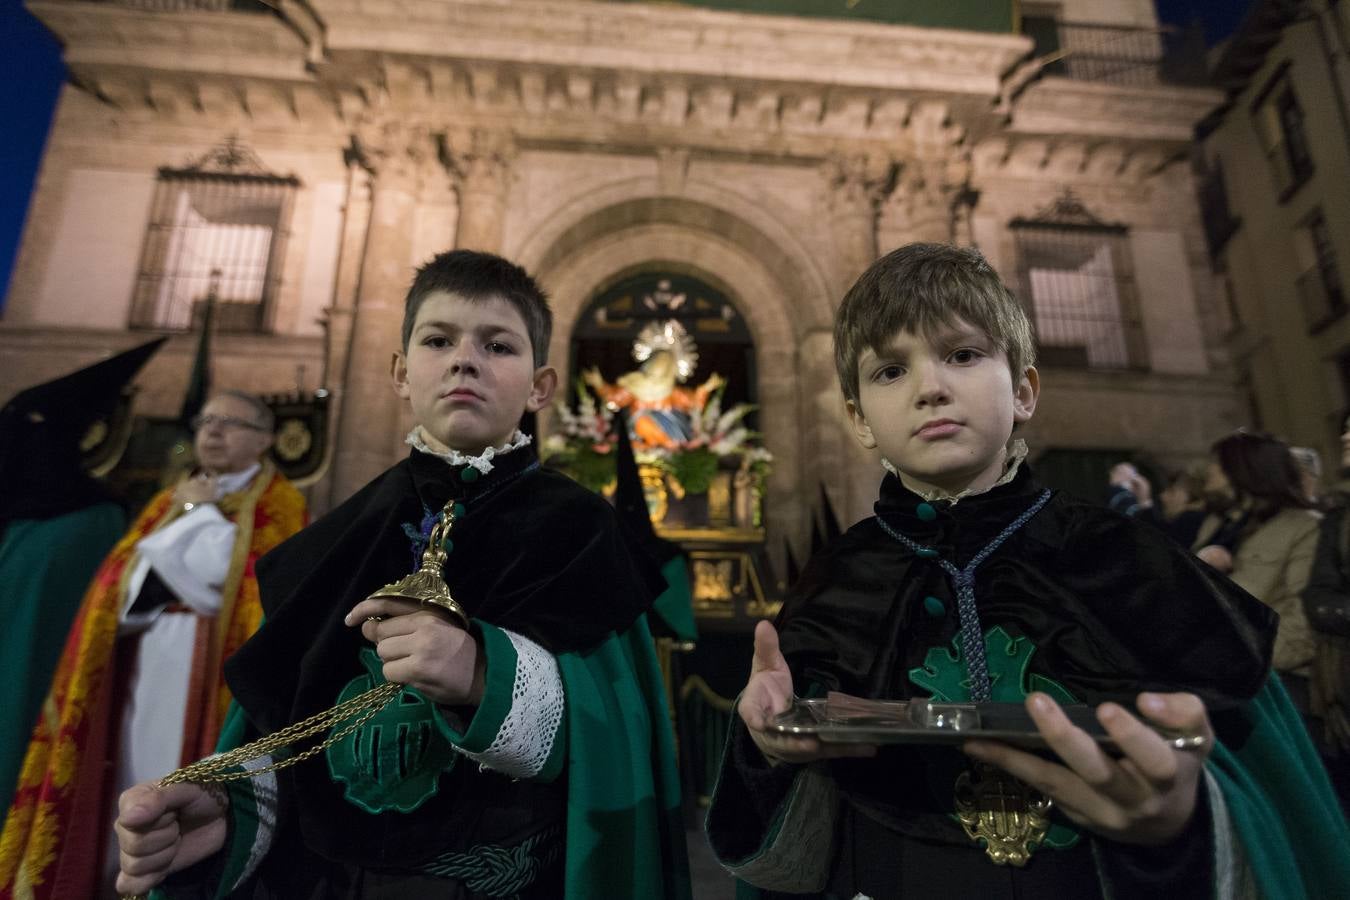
(593, 471)
(693, 469)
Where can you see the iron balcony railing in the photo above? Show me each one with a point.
(1118, 54)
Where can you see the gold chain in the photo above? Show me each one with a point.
(221, 768)
(213, 769)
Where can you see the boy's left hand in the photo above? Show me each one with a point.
(1146, 797)
(423, 649)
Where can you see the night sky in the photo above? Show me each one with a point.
(1219, 17)
(31, 73)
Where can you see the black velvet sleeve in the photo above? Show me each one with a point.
(1132, 611)
(750, 794)
(1182, 868)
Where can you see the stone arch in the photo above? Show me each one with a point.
(712, 208)
(773, 277)
(574, 279)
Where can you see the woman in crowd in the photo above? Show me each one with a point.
(1262, 531)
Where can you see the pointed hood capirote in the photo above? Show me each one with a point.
(41, 427)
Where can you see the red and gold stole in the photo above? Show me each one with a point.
(56, 831)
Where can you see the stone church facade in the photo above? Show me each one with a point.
(323, 148)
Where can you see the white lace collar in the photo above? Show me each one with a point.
(482, 462)
(1017, 452)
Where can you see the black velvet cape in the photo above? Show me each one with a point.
(534, 553)
(1112, 606)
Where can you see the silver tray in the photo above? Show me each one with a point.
(840, 718)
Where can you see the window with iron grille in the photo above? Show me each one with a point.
(1320, 290)
(217, 227)
(1216, 215)
(1278, 119)
(1075, 276)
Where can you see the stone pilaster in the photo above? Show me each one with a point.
(830, 455)
(369, 418)
(855, 187)
(481, 161)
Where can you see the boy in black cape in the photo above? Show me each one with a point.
(529, 754)
(974, 583)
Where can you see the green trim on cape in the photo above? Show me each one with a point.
(499, 680)
(243, 835)
(625, 837)
(1281, 803)
(675, 606)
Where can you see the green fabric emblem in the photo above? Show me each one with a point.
(393, 761)
(943, 674)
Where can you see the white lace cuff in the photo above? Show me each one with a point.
(518, 727)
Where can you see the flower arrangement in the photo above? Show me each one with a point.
(583, 445)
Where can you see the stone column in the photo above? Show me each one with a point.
(482, 163)
(858, 186)
(830, 456)
(855, 187)
(339, 314)
(394, 153)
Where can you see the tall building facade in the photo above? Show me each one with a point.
(1274, 161)
(298, 159)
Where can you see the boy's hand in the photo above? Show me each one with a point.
(423, 649)
(1147, 797)
(164, 830)
(768, 693)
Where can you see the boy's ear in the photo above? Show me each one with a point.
(861, 430)
(398, 372)
(1025, 394)
(541, 393)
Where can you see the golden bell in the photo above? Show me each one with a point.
(426, 586)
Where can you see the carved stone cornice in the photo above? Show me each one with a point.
(697, 43)
(584, 74)
(1088, 110)
(105, 35)
(1069, 158)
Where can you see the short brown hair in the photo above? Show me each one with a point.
(920, 288)
(479, 277)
